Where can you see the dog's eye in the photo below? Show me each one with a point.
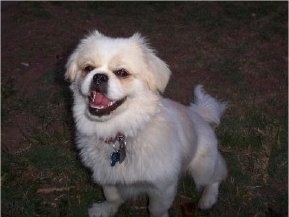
(88, 69)
(122, 73)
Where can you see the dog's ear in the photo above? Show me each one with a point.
(71, 65)
(159, 72)
(71, 68)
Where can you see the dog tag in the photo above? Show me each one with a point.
(120, 154)
(122, 151)
(114, 158)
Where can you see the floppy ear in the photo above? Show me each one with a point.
(158, 69)
(71, 68)
(71, 65)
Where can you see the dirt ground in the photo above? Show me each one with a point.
(37, 38)
(238, 51)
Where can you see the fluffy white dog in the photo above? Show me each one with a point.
(132, 139)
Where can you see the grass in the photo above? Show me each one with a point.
(239, 54)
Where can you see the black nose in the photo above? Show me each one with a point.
(100, 79)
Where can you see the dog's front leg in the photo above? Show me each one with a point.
(110, 206)
(161, 199)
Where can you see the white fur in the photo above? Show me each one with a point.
(207, 107)
(164, 138)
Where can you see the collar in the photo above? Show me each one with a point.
(111, 140)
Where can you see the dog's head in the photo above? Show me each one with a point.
(107, 74)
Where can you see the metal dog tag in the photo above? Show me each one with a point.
(120, 154)
(114, 158)
(122, 151)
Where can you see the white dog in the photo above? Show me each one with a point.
(132, 139)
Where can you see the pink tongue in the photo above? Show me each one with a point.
(98, 99)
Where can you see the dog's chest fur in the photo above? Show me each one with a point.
(142, 162)
(149, 158)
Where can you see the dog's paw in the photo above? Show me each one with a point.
(209, 196)
(207, 202)
(104, 209)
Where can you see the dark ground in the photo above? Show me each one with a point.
(237, 50)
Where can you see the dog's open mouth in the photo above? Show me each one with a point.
(100, 105)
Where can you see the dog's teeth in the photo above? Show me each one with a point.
(92, 95)
(101, 106)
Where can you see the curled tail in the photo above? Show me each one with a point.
(209, 108)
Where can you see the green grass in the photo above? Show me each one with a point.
(238, 45)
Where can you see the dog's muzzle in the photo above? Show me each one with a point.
(99, 103)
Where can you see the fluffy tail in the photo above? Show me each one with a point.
(207, 107)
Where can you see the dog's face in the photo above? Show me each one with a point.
(109, 75)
